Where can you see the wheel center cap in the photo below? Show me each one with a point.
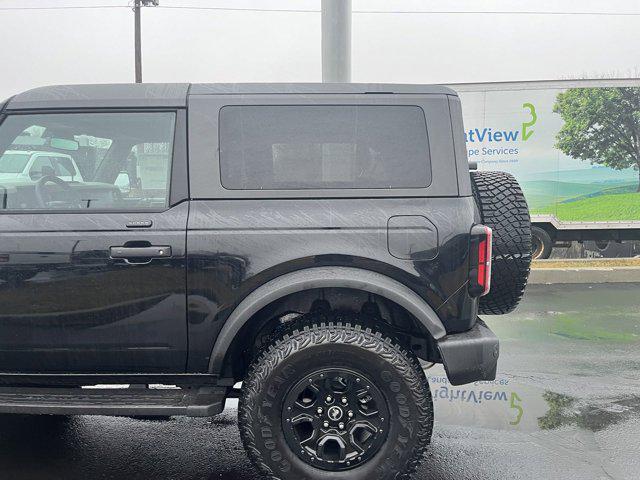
(335, 413)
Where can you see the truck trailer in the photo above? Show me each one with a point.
(573, 145)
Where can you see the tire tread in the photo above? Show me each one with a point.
(301, 336)
(503, 207)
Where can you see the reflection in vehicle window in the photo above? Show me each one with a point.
(13, 162)
(63, 166)
(114, 161)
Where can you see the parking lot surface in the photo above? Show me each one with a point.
(565, 405)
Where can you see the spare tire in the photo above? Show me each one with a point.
(504, 209)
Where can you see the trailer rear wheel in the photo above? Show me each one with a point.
(504, 209)
(542, 243)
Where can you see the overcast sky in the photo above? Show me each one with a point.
(95, 45)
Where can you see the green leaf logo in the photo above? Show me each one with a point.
(515, 398)
(526, 134)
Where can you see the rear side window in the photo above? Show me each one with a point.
(288, 147)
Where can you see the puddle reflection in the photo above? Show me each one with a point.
(497, 404)
(504, 404)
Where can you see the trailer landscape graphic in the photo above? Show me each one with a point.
(576, 153)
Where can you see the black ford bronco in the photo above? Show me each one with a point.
(314, 242)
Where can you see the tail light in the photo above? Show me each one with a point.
(480, 261)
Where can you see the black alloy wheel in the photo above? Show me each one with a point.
(335, 419)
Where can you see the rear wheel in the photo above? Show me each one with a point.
(335, 401)
(503, 208)
(541, 243)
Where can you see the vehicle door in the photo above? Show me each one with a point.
(92, 276)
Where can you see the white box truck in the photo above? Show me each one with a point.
(573, 145)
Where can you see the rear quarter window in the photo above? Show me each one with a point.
(291, 147)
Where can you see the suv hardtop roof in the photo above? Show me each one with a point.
(314, 88)
(175, 94)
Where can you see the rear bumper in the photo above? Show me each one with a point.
(470, 356)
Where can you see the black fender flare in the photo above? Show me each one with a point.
(321, 277)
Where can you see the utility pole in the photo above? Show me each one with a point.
(336, 40)
(137, 41)
(137, 6)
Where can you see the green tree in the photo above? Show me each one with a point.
(601, 125)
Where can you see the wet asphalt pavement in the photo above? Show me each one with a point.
(565, 405)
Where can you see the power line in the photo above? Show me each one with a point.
(496, 12)
(68, 7)
(359, 12)
(232, 9)
(407, 12)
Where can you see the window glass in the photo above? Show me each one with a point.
(41, 166)
(119, 161)
(323, 147)
(13, 162)
(63, 166)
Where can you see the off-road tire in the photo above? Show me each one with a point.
(305, 349)
(503, 208)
